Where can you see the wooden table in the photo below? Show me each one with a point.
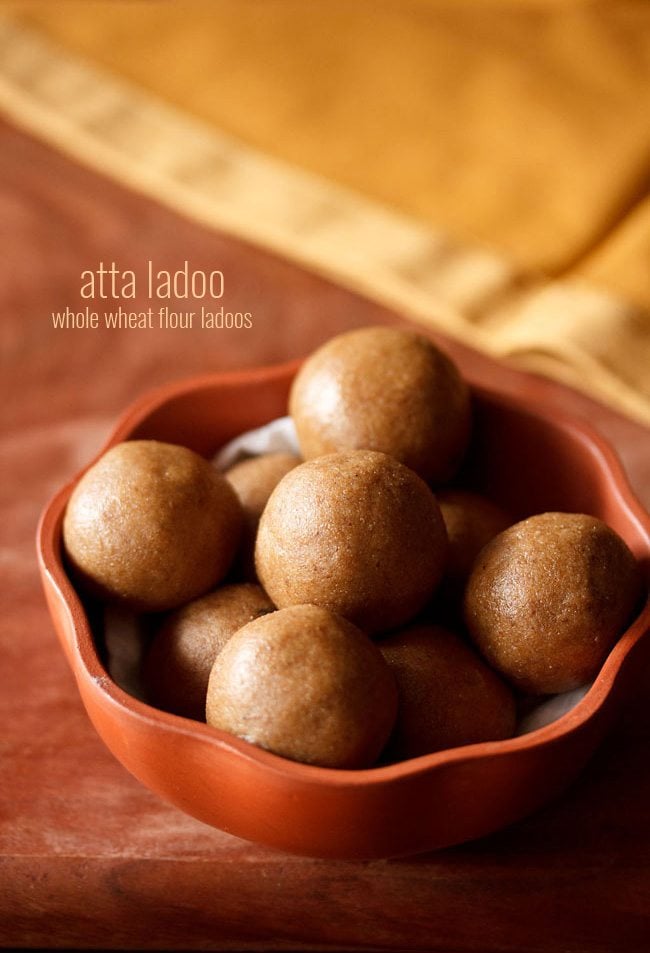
(91, 859)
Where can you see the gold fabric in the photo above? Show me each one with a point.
(515, 134)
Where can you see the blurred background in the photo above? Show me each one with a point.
(479, 166)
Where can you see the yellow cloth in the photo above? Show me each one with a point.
(514, 127)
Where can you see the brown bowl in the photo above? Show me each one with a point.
(527, 457)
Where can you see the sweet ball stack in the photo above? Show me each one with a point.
(352, 605)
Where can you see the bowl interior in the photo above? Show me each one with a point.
(531, 461)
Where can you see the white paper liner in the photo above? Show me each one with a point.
(277, 437)
(550, 709)
(125, 634)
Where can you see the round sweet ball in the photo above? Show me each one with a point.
(471, 521)
(180, 657)
(307, 685)
(549, 597)
(383, 389)
(151, 525)
(253, 480)
(447, 695)
(356, 532)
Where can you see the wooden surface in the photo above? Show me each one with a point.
(91, 859)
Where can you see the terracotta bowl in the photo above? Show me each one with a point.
(524, 455)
